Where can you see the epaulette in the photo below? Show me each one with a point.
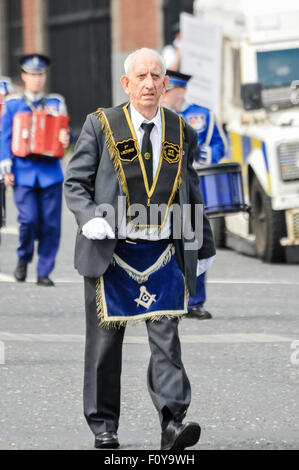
(13, 96)
(56, 96)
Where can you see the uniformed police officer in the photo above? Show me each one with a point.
(36, 181)
(212, 146)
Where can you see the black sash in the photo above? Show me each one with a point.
(124, 151)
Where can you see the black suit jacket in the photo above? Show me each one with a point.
(91, 180)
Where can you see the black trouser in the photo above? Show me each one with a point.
(167, 381)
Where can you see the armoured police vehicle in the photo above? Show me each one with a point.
(258, 103)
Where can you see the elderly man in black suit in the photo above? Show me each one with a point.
(137, 155)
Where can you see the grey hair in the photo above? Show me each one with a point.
(131, 57)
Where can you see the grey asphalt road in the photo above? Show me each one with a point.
(243, 364)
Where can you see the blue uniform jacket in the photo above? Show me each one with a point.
(211, 138)
(29, 172)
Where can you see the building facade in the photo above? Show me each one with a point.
(87, 41)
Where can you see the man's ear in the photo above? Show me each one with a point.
(124, 80)
(165, 83)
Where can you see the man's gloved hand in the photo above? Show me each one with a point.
(5, 166)
(97, 229)
(205, 155)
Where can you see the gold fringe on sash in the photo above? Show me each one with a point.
(179, 177)
(113, 152)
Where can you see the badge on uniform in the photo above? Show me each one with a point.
(127, 150)
(197, 121)
(171, 152)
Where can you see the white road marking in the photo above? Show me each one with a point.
(190, 339)
(236, 338)
(252, 281)
(10, 230)
(6, 278)
(9, 278)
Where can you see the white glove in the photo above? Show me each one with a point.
(5, 166)
(203, 265)
(97, 229)
(205, 155)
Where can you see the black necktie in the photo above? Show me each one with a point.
(147, 151)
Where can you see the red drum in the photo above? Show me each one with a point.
(39, 133)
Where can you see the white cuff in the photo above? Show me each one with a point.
(203, 265)
(97, 229)
(204, 157)
(5, 166)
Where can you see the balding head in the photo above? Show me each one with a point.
(139, 54)
(145, 80)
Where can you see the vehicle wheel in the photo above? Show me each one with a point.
(218, 229)
(268, 225)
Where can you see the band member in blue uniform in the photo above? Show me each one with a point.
(212, 147)
(36, 180)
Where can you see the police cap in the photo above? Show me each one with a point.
(34, 63)
(177, 79)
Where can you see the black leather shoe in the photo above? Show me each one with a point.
(199, 312)
(106, 440)
(21, 272)
(178, 436)
(45, 281)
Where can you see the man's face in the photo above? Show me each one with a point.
(146, 82)
(34, 82)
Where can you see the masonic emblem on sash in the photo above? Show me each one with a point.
(145, 298)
